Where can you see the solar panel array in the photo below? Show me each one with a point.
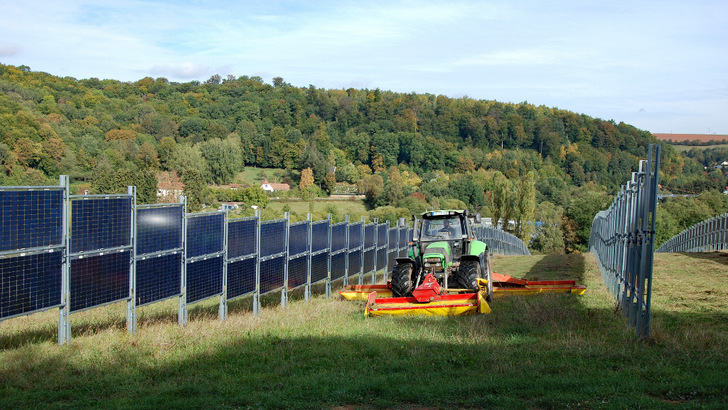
(205, 255)
(101, 250)
(31, 243)
(30, 219)
(173, 254)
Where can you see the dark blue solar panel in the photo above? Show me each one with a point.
(205, 234)
(390, 259)
(158, 277)
(369, 261)
(338, 237)
(319, 236)
(30, 283)
(381, 258)
(403, 237)
(204, 278)
(369, 233)
(298, 238)
(30, 219)
(272, 238)
(241, 237)
(100, 223)
(159, 229)
(354, 263)
(319, 267)
(241, 277)
(338, 265)
(355, 235)
(97, 280)
(381, 235)
(297, 272)
(393, 238)
(271, 274)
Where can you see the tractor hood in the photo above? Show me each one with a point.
(439, 250)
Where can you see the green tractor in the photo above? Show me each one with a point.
(444, 245)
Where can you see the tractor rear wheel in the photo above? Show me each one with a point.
(468, 274)
(402, 280)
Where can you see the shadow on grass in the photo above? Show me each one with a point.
(715, 256)
(558, 267)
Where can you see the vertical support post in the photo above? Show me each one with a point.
(64, 324)
(182, 311)
(376, 251)
(284, 290)
(223, 309)
(309, 234)
(256, 293)
(348, 249)
(328, 261)
(131, 317)
(361, 252)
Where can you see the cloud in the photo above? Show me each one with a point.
(8, 50)
(185, 70)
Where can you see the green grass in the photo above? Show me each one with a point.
(684, 148)
(353, 207)
(546, 351)
(251, 175)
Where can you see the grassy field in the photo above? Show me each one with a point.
(253, 175)
(684, 148)
(547, 351)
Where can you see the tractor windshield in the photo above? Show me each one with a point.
(445, 228)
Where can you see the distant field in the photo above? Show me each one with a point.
(691, 137)
(355, 207)
(252, 175)
(684, 148)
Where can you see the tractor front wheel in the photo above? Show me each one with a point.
(468, 274)
(402, 280)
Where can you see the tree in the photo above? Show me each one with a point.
(194, 189)
(306, 179)
(165, 151)
(549, 237)
(223, 158)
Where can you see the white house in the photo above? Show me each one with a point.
(271, 187)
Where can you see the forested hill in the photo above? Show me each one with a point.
(62, 125)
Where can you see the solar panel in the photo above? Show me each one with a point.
(241, 237)
(30, 219)
(381, 258)
(205, 234)
(241, 277)
(319, 267)
(272, 238)
(319, 236)
(98, 280)
(297, 272)
(354, 262)
(159, 229)
(271, 274)
(355, 235)
(369, 233)
(298, 238)
(381, 234)
(338, 265)
(338, 237)
(158, 277)
(100, 223)
(30, 283)
(204, 278)
(369, 260)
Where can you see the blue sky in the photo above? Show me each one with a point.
(659, 65)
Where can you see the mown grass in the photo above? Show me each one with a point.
(547, 351)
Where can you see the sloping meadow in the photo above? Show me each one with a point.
(532, 351)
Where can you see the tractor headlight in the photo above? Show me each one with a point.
(432, 262)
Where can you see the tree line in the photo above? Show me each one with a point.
(404, 151)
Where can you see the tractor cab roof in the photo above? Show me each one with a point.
(444, 214)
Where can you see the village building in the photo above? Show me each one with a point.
(271, 187)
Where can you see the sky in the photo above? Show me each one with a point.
(661, 66)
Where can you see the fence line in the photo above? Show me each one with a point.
(622, 239)
(706, 236)
(78, 252)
